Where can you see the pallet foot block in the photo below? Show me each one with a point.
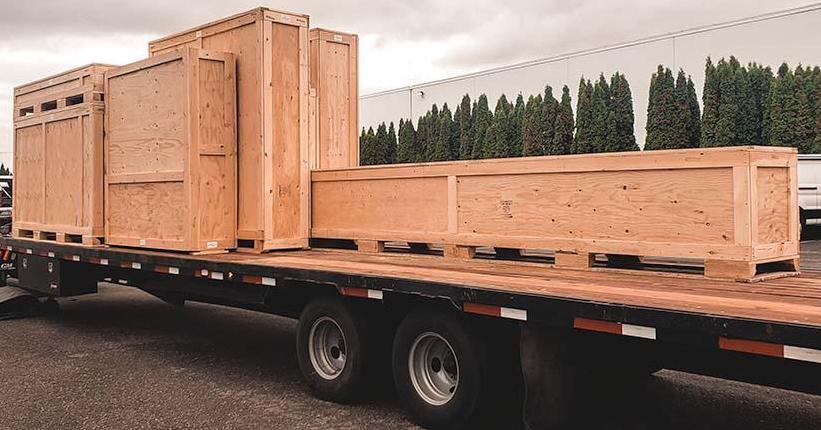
(271, 50)
(171, 152)
(728, 206)
(371, 246)
(58, 154)
(574, 260)
(334, 120)
(457, 251)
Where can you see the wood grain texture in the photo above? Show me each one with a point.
(171, 152)
(271, 50)
(334, 75)
(705, 203)
(58, 153)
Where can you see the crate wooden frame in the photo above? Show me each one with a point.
(204, 169)
(274, 174)
(334, 65)
(58, 157)
(735, 208)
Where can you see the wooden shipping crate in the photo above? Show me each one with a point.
(271, 50)
(171, 152)
(58, 157)
(735, 208)
(335, 99)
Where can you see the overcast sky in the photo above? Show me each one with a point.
(401, 42)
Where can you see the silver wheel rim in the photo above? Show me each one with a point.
(327, 349)
(434, 369)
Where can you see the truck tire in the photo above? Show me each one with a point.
(440, 371)
(332, 352)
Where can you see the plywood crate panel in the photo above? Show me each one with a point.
(58, 156)
(271, 50)
(335, 103)
(729, 206)
(171, 152)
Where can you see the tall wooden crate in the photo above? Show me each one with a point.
(271, 50)
(58, 157)
(335, 99)
(170, 152)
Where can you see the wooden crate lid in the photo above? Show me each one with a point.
(333, 36)
(59, 78)
(227, 23)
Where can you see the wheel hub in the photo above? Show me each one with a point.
(326, 348)
(434, 369)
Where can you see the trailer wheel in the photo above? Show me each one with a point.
(331, 340)
(439, 370)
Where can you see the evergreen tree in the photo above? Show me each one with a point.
(760, 83)
(749, 118)
(442, 145)
(407, 150)
(421, 138)
(390, 146)
(621, 134)
(583, 139)
(805, 121)
(498, 139)
(432, 133)
(783, 109)
(729, 112)
(601, 115)
(550, 109)
(663, 116)
(367, 145)
(533, 140)
(817, 104)
(516, 127)
(482, 118)
(694, 136)
(563, 130)
(710, 98)
(466, 133)
(380, 145)
(4, 170)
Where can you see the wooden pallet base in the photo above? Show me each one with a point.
(717, 269)
(60, 237)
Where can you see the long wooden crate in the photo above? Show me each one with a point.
(335, 102)
(58, 157)
(171, 152)
(735, 208)
(271, 50)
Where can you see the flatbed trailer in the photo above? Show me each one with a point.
(576, 337)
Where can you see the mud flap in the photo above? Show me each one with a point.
(18, 303)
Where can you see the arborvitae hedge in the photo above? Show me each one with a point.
(550, 108)
(621, 135)
(533, 140)
(407, 150)
(442, 145)
(482, 118)
(517, 121)
(499, 138)
(465, 129)
(673, 115)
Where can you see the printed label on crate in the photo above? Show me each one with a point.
(211, 245)
(337, 38)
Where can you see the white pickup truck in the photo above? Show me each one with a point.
(809, 187)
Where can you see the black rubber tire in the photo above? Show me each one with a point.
(349, 385)
(470, 401)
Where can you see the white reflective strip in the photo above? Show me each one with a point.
(375, 294)
(104, 261)
(204, 272)
(75, 257)
(122, 281)
(216, 275)
(51, 254)
(638, 331)
(136, 266)
(174, 270)
(28, 251)
(515, 314)
(269, 281)
(803, 354)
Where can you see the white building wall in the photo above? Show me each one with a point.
(791, 36)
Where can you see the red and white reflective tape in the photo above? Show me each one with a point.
(365, 293)
(170, 270)
(770, 349)
(259, 280)
(217, 275)
(100, 261)
(615, 328)
(495, 311)
(73, 257)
